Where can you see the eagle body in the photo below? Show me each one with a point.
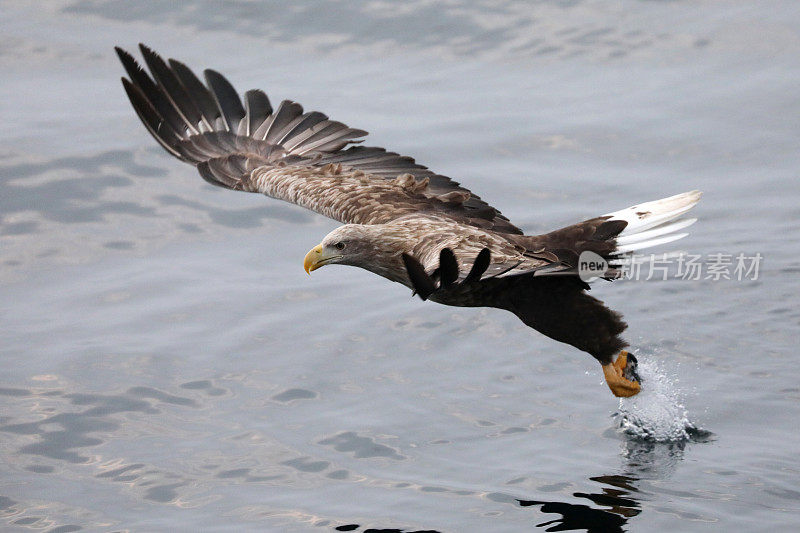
(401, 220)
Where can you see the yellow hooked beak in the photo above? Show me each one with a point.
(317, 257)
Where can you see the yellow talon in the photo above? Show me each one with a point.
(619, 385)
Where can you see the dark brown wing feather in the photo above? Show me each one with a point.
(200, 123)
(563, 247)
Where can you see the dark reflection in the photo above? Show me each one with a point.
(614, 500)
(65, 436)
(251, 217)
(355, 527)
(618, 497)
(74, 199)
(6, 504)
(82, 196)
(360, 447)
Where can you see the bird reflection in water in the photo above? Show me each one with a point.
(618, 500)
(617, 496)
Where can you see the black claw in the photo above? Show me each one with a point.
(420, 280)
(448, 267)
(446, 273)
(479, 266)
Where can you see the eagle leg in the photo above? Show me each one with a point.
(621, 376)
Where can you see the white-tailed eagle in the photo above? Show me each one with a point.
(401, 220)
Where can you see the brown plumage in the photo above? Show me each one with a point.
(402, 221)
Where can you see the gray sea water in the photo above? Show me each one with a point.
(168, 365)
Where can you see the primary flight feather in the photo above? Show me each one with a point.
(401, 220)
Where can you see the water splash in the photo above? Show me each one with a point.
(657, 414)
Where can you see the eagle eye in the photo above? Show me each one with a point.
(339, 245)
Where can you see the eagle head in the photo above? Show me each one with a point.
(351, 244)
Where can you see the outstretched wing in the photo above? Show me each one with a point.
(288, 154)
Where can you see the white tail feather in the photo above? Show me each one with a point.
(655, 232)
(656, 217)
(650, 243)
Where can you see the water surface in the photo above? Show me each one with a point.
(169, 365)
